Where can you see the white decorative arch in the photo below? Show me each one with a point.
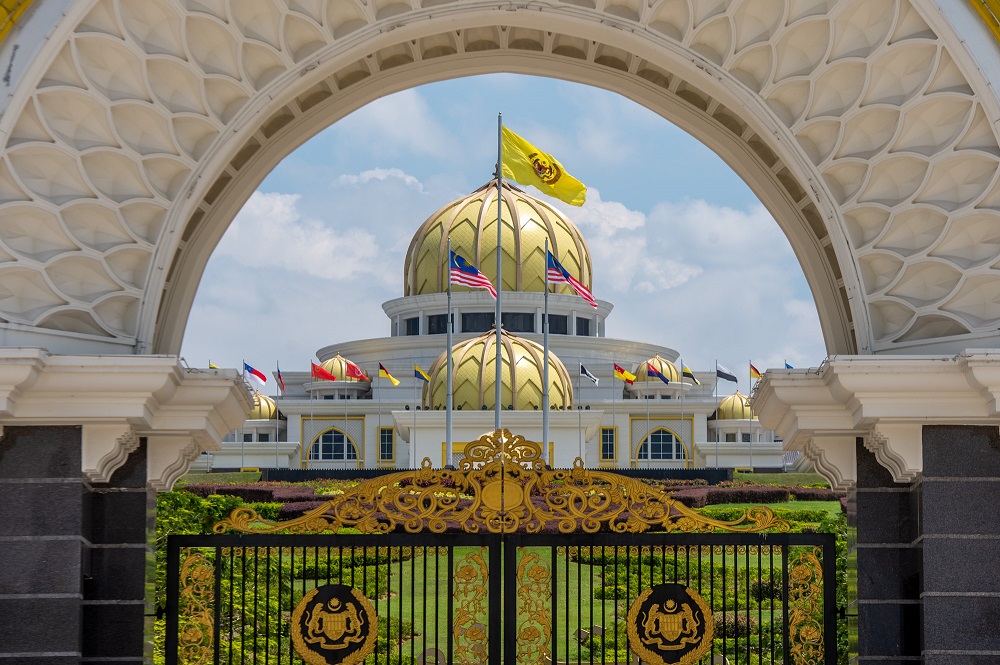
(141, 126)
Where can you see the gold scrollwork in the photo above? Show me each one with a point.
(805, 604)
(510, 490)
(471, 603)
(196, 632)
(534, 607)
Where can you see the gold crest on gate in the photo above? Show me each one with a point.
(670, 624)
(334, 624)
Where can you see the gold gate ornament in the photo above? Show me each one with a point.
(670, 624)
(503, 486)
(334, 624)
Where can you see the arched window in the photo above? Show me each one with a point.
(661, 444)
(332, 446)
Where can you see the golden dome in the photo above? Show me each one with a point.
(661, 365)
(337, 366)
(475, 375)
(735, 407)
(470, 223)
(264, 408)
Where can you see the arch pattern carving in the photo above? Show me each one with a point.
(149, 125)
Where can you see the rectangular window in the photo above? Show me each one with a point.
(413, 326)
(746, 437)
(386, 444)
(518, 322)
(582, 327)
(263, 437)
(478, 321)
(248, 437)
(661, 445)
(730, 437)
(558, 324)
(437, 324)
(608, 447)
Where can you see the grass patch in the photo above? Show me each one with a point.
(783, 479)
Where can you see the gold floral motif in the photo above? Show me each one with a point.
(534, 602)
(195, 639)
(502, 486)
(471, 603)
(805, 604)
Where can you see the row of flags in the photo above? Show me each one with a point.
(354, 372)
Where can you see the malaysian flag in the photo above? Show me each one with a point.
(467, 275)
(559, 275)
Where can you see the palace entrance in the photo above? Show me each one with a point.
(502, 561)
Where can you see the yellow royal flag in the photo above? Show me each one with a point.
(526, 164)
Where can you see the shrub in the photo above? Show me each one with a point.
(764, 588)
(731, 624)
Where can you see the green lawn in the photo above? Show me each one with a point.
(832, 507)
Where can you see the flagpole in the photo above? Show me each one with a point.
(312, 421)
(378, 434)
(613, 424)
(242, 433)
(413, 435)
(749, 390)
(545, 360)
(277, 420)
(579, 411)
(499, 375)
(687, 460)
(716, 413)
(448, 398)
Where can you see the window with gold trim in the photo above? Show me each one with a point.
(661, 444)
(386, 444)
(609, 446)
(332, 445)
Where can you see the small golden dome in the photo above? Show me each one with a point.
(475, 375)
(469, 222)
(337, 366)
(264, 408)
(661, 365)
(735, 407)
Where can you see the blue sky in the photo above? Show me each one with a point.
(680, 244)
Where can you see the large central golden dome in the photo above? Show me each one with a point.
(471, 224)
(474, 384)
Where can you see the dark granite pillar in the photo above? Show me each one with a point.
(43, 507)
(961, 545)
(115, 606)
(73, 557)
(886, 614)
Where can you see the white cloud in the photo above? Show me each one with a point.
(380, 175)
(270, 232)
(398, 123)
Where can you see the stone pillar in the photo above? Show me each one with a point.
(885, 616)
(117, 615)
(960, 520)
(44, 502)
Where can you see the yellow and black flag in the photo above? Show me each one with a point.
(526, 164)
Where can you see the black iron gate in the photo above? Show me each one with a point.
(534, 567)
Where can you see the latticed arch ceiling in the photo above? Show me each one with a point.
(143, 125)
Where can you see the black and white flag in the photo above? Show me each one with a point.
(724, 372)
(584, 372)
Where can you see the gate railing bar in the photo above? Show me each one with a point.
(173, 599)
(830, 599)
(785, 642)
(451, 601)
(497, 610)
(218, 604)
(399, 603)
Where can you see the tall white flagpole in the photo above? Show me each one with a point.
(614, 428)
(545, 360)
(579, 412)
(716, 413)
(448, 398)
(243, 435)
(749, 390)
(499, 376)
(413, 434)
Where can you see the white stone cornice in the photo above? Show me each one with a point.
(117, 399)
(885, 399)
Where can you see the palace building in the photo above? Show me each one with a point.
(675, 421)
